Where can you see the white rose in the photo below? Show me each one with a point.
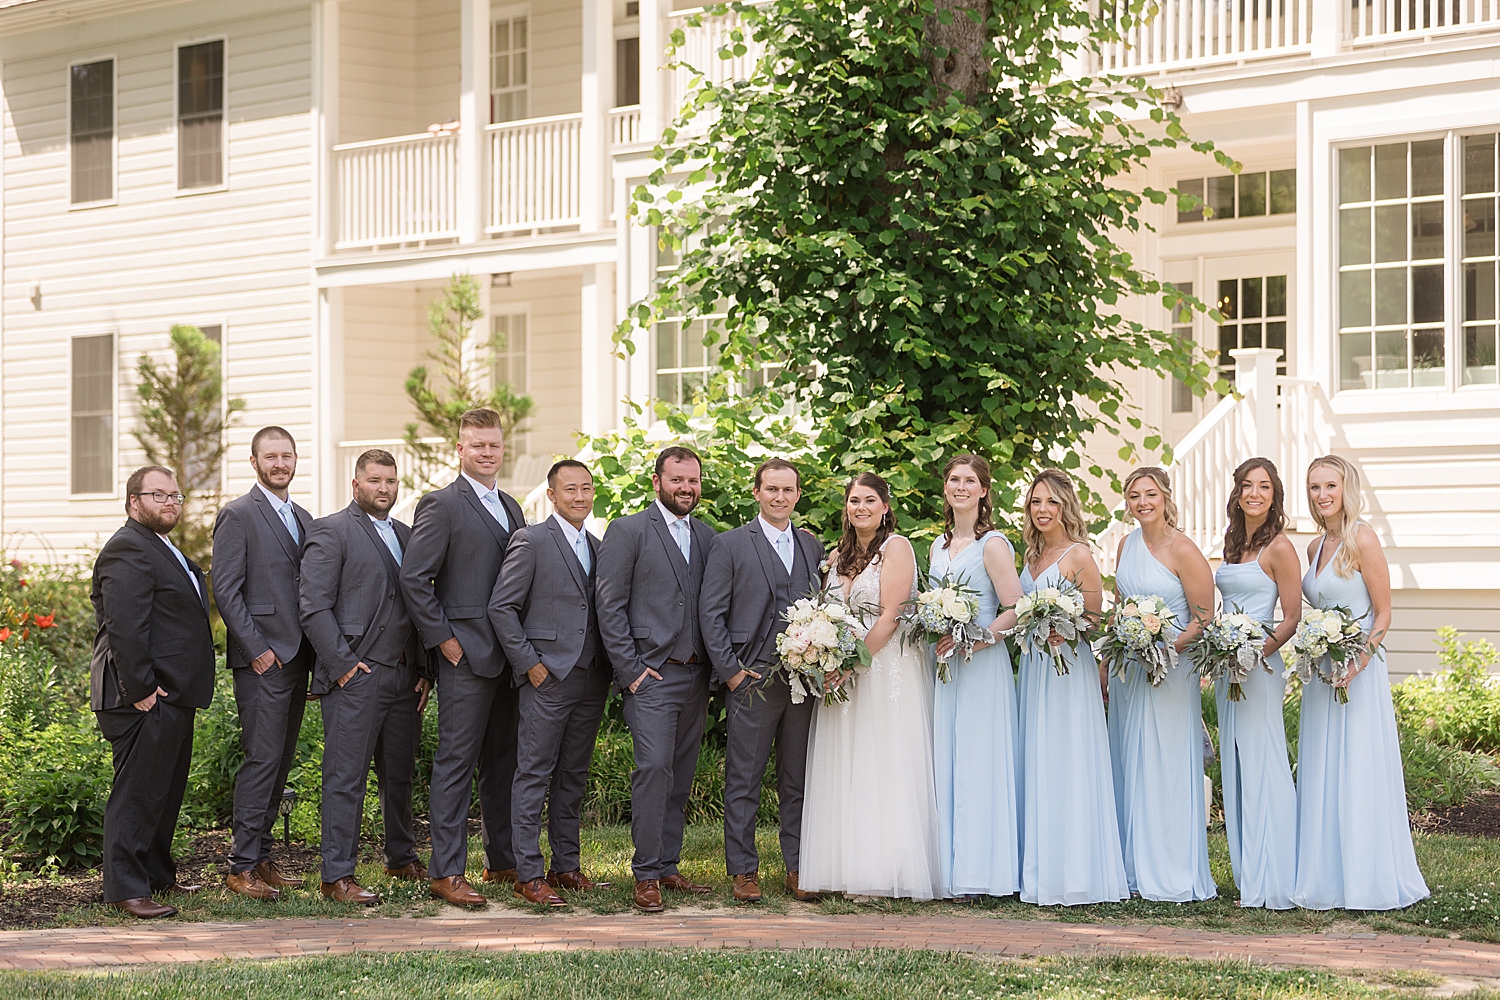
(949, 594)
(822, 634)
(957, 610)
(1023, 606)
(1069, 606)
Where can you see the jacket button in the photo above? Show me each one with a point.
(583, 607)
(679, 603)
(382, 628)
(580, 631)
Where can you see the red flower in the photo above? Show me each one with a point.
(4, 634)
(45, 621)
(21, 620)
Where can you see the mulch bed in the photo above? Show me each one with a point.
(1479, 817)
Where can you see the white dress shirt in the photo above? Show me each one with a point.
(574, 536)
(782, 541)
(285, 511)
(679, 528)
(490, 497)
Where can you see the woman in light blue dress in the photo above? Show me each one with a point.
(1354, 847)
(1260, 803)
(974, 714)
(1070, 837)
(1156, 733)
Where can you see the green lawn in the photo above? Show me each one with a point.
(700, 975)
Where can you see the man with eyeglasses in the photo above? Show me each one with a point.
(153, 667)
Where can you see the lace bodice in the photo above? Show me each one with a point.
(864, 589)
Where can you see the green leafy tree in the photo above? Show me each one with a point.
(183, 415)
(462, 368)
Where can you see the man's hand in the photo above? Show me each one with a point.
(649, 673)
(265, 661)
(350, 675)
(452, 651)
(739, 678)
(424, 688)
(536, 675)
(149, 702)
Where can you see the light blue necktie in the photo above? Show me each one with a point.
(388, 535)
(784, 549)
(182, 561)
(581, 546)
(491, 501)
(289, 518)
(684, 539)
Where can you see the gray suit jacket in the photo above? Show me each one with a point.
(352, 606)
(739, 607)
(542, 607)
(648, 594)
(257, 572)
(450, 570)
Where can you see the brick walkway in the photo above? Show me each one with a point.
(189, 942)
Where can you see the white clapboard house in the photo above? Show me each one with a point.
(299, 177)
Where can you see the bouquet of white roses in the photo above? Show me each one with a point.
(949, 609)
(1048, 610)
(820, 644)
(1231, 645)
(1137, 633)
(1328, 645)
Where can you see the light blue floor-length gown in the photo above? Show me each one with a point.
(1260, 802)
(974, 732)
(1070, 835)
(1156, 743)
(1354, 847)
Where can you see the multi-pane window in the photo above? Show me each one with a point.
(509, 70)
(1481, 338)
(1391, 265)
(200, 115)
(1182, 329)
(92, 413)
(510, 348)
(91, 131)
(1240, 196)
(627, 71)
(1254, 311)
(683, 361)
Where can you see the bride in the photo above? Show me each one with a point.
(869, 817)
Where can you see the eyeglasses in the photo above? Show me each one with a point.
(161, 497)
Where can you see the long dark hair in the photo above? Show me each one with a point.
(983, 523)
(1235, 542)
(852, 560)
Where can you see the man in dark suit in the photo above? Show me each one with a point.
(650, 571)
(258, 541)
(368, 674)
(754, 574)
(543, 611)
(153, 667)
(459, 540)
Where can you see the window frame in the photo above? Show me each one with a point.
(223, 326)
(508, 12)
(114, 138)
(1456, 303)
(223, 185)
(1266, 219)
(114, 452)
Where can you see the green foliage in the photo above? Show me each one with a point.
(30, 682)
(208, 802)
(1460, 705)
(1438, 775)
(58, 593)
(53, 785)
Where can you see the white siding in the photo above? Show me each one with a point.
(385, 336)
(555, 317)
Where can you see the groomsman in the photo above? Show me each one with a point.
(458, 543)
(258, 540)
(650, 571)
(367, 674)
(754, 573)
(543, 611)
(153, 666)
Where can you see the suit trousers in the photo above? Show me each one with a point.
(761, 714)
(152, 753)
(666, 719)
(554, 745)
(372, 718)
(270, 707)
(476, 725)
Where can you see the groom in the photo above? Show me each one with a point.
(754, 573)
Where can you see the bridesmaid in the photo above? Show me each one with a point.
(1156, 733)
(975, 713)
(1354, 847)
(1070, 838)
(1260, 804)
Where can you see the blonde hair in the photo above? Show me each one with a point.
(1066, 496)
(1346, 562)
(1163, 483)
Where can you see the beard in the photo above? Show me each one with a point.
(681, 506)
(269, 480)
(373, 504)
(161, 522)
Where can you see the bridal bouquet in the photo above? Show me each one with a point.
(1137, 632)
(1048, 610)
(949, 609)
(819, 644)
(1328, 645)
(1231, 645)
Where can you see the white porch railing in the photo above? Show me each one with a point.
(392, 191)
(1383, 20)
(701, 50)
(625, 125)
(1183, 33)
(534, 174)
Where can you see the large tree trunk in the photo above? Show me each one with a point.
(964, 68)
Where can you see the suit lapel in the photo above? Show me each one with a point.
(194, 580)
(274, 522)
(770, 562)
(502, 537)
(569, 557)
(304, 525)
(674, 554)
(392, 569)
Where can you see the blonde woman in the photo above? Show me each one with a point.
(1354, 847)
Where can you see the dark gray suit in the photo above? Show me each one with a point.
(543, 611)
(448, 576)
(648, 618)
(257, 572)
(152, 631)
(353, 612)
(745, 590)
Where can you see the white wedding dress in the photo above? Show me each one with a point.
(869, 813)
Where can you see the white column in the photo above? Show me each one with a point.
(597, 371)
(1327, 27)
(653, 79)
(1255, 379)
(1307, 334)
(325, 124)
(473, 116)
(598, 89)
(329, 491)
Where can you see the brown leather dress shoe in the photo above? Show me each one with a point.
(648, 895)
(184, 890)
(414, 872)
(346, 890)
(538, 891)
(679, 884)
(575, 880)
(456, 890)
(271, 876)
(798, 894)
(505, 875)
(250, 884)
(144, 907)
(747, 887)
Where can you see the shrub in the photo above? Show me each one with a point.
(54, 782)
(1439, 775)
(218, 750)
(1459, 706)
(30, 683)
(46, 607)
